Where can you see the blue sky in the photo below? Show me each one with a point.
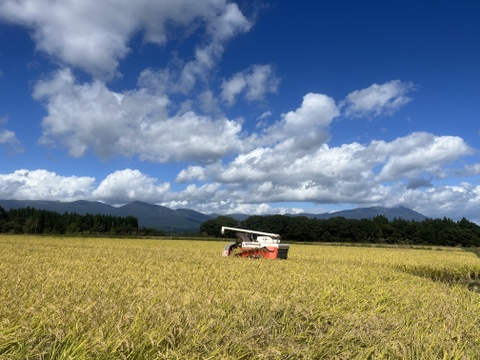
(250, 106)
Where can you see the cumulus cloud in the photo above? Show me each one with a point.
(124, 186)
(94, 35)
(421, 152)
(455, 202)
(141, 122)
(138, 123)
(257, 195)
(191, 173)
(351, 173)
(305, 128)
(132, 123)
(253, 83)
(228, 22)
(44, 185)
(376, 100)
(471, 169)
(283, 145)
(316, 110)
(233, 87)
(9, 138)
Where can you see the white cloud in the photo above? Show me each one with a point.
(260, 81)
(140, 122)
(44, 185)
(229, 22)
(253, 83)
(351, 173)
(265, 115)
(193, 196)
(191, 173)
(233, 87)
(263, 209)
(376, 100)
(455, 202)
(125, 186)
(316, 110)
(472, 169)
(133, 123)
(306, 128)
(208, 102)
(9, 138)
(94, 35)
(421, 153)
(184, 80)
(288, 161)
(137, 123)
(256, 197)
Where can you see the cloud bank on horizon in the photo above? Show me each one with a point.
(187, 119)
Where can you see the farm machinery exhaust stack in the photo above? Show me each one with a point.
(255, 244)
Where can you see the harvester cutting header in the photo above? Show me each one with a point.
(255, 244)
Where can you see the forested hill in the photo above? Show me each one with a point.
(34, 221)
(148, 215)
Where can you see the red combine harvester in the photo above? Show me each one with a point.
(255, 244)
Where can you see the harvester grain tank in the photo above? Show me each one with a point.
(255, 244)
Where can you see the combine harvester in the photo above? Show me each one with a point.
(255, 244)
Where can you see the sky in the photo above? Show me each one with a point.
(258, 107)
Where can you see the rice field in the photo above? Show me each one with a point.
(71, 298)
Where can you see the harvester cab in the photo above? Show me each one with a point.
(255, 244)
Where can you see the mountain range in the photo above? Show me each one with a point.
(186, 220)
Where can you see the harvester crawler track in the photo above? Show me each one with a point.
(255, 253)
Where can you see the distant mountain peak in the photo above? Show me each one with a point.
(148, 215)
(399, 212)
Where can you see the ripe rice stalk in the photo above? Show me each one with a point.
(158, 299)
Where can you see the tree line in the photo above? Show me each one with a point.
(443, 232)
(35, 221)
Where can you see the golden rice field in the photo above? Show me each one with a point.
(71, 298)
